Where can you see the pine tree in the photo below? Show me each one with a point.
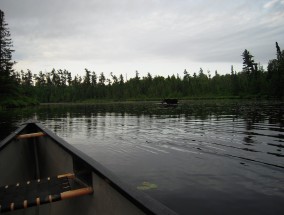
(7, 82)
(278, 50)
(276, 74)
(248, 63)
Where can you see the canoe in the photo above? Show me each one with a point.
(43, 174)
(170, 101)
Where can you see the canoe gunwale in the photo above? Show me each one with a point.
(139, 199)
(13, 135)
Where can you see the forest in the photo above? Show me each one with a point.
(19, 88)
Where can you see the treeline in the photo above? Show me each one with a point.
(60, 86)
(25, 88)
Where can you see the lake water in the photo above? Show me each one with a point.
(202, 157)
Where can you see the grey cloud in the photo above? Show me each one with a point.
(121, 31)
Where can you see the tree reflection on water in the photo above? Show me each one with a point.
(219, 155)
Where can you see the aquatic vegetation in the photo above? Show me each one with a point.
(147, 186)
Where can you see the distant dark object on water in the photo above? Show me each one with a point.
(170, 101)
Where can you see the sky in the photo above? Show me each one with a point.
(160, 37)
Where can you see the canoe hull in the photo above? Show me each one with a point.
(46, 156)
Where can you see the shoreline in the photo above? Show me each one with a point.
(33, 103)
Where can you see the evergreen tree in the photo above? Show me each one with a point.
(279, 55)
(276, 74)
(7, 81)
(94, 79)
(248, 62)
(252, 71)
(87, 78)
(234, 82)
(102, 79)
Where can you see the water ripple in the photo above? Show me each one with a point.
(231, 155)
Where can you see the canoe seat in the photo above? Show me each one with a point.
(41, 191)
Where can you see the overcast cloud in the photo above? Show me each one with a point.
(162, 37)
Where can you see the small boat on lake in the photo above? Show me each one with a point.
(43, 174)
(170, 102)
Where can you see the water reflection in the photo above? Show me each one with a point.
(217, 156)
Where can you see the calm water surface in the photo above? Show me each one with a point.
(205, 157)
